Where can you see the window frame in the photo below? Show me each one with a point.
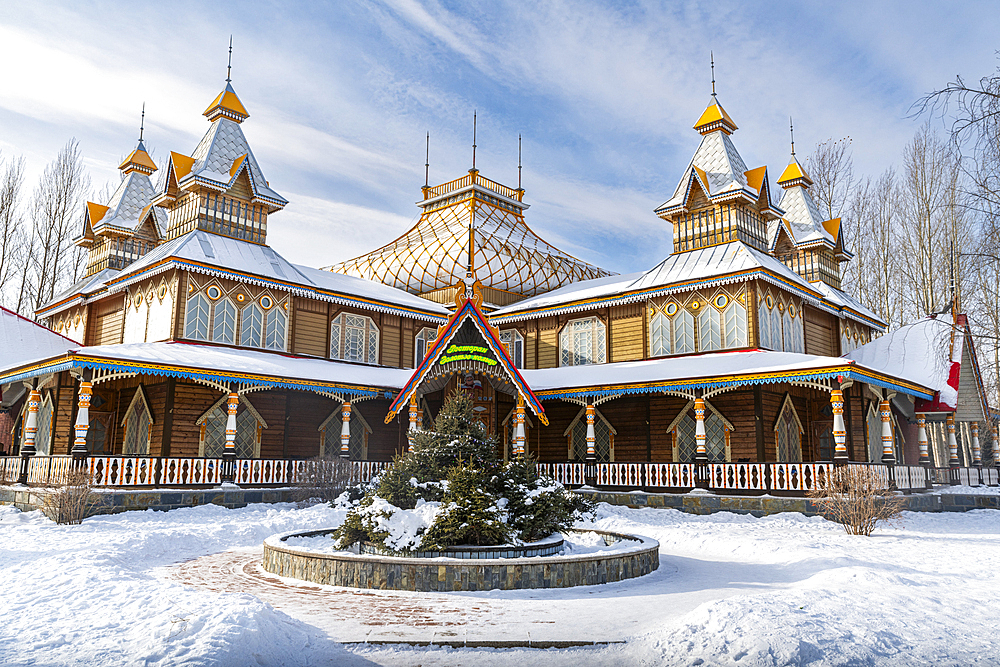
(514, 347)
(370, 353)
(687, 412)
(424, 337)
(780, 422)
(572, 446)
(128, 423)
(598, 341)
(223, 404)
(331, 427)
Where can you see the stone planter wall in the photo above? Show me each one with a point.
(419, 574)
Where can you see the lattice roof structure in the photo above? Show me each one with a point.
(471, 222)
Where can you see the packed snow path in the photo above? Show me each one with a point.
(731, 590)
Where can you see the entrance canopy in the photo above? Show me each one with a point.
(467, 344)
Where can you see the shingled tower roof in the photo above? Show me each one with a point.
(471, 222)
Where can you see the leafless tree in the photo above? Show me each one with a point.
(831, 168)
(56, 206)
(12, 239)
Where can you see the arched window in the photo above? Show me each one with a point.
(196, 318)
(788, 342)
(764, 325)
(224, 326)
(354, 338)
(777, 343)
(251, 326)
(710, 326)
(576, 438)
(582, 342)
(683, 332)
(212, 435)
(513, 341)
(660, 335)
(735, 320)
(138, 422)
(422, 343)
(276, 320)
(788, 433)
(331, 428)
(717, 431)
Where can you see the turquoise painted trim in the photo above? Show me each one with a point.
(38, 372)
(668, 385)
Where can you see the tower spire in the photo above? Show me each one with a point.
(229, 66)
(142, 122)
(518, 161)
(791, 133)
(712, 56)
(473, 139)
(427, 162)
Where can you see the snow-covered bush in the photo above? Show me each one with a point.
(453, 489)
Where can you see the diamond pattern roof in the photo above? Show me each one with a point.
(505, 253)
(803, 215)
(724, 168)
(128, 201)
(222, 145)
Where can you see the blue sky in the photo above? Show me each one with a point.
(341, 94)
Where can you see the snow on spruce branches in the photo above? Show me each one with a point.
(453, 489)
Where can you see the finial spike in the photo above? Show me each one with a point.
(474, 139)
(518, 161)
(142, 122)
(229, 67)
(712, 56)
(427, 162)
(791, 132)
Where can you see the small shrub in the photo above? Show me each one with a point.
(71, 501)
(323, 480)
(855, 497)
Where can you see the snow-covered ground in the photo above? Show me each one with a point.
(731, 590)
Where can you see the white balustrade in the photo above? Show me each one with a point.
(564, 473)
(737, 476)
(619, 474)
(670, 475)
(798, 476)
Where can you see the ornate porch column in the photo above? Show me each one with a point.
(30, 430)
(345, 430)
(229, 449)
(519, 429)
(700, 448)
(996, 448)
(82, 425)
(953, 463)
(977, 451)
(413, 422)
(590, 468)
(839, 429)
(888, 451)
(925, 455)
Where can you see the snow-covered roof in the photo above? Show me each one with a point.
(850, 305)
(23, 341)
(714, 265)
(216, 156)
(223, 256)
(717, 369)
(226, 364)
(128, 204)
(804, 217)
(922, 352)
(78, 293)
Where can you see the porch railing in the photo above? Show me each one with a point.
(785, 478)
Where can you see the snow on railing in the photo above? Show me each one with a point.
(737, 476)
(564, 473)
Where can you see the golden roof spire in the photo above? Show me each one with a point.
(793, 174)
(227, 104)
(139, 160)
(715, 117)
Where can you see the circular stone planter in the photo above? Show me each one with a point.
(459, 574)
(549, 546)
